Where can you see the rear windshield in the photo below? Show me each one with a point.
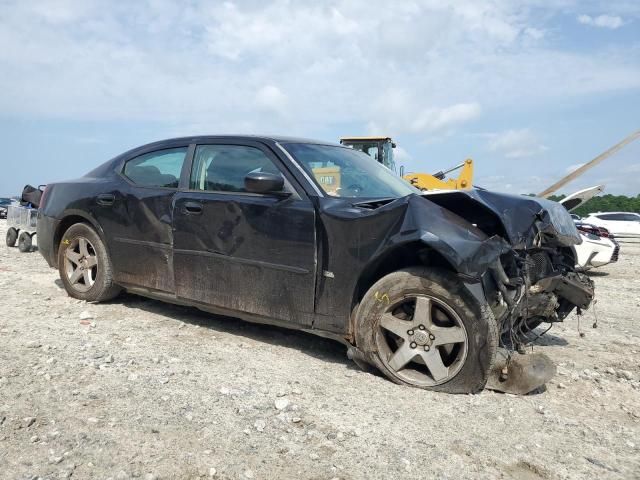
(344, 172)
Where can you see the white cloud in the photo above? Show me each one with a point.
(434, 119)
(516, 143)
(401, 155)
(602, 21)
(516, 184)
(271, 98)
(421, 69)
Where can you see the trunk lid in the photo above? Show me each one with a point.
(580, 197)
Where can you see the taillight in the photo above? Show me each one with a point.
(593, 230)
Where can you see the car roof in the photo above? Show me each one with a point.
(605, 213)
(259, 138)
(171, 142)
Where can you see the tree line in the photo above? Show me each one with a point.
(605, 203)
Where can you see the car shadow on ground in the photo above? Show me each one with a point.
(549, 340)
(313, 345)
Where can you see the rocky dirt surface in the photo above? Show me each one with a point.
(140, 389)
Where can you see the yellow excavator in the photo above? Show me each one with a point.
(381, 149)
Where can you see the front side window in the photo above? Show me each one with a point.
(345, 172)
(156, 169)
(224, 167)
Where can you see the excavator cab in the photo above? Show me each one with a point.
(379, 148)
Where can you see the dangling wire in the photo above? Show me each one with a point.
(579, 314)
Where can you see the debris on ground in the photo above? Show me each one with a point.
(115, 403)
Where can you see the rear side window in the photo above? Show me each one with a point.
(224, 167)
(623, 217)
(156, 169)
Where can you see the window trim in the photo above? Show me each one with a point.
(304, 173)
(289, 186)
(120, 170)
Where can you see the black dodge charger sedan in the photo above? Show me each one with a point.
(319, 237)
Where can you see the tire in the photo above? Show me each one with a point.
(24, 242)
(12, 237)
(451, 338)
(84, 265)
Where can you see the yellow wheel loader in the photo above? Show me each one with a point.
(381, 149)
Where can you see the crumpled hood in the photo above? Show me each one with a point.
(358, 237)
(367, 234)
(517, 214)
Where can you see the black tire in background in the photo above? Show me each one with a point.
(12, 237)
(24, 242)
(453, 351)
(102, 288)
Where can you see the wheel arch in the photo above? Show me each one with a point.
(401, 256)
(71, 218)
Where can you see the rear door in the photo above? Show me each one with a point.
(248, 252)
(621, 223)
(136, 218)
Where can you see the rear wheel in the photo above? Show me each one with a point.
(12, 237)
(422, 327)
(84, 265)
(24, 242)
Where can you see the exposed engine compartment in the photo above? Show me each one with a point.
(535, 286)
(535, 281)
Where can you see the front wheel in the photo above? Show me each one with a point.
(84, 265)
(421, 327)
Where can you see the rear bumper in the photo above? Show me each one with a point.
(46, 230)
(603, 257)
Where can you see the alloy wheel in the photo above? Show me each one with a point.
(422, 340)
(81, 264)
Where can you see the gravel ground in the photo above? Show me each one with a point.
(141, 389)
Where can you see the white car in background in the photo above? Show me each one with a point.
(624, 225)
(598, 246)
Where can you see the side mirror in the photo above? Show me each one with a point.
(263, 182)
(402, 170)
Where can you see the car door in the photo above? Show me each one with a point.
(242, 251)
(620, 224)
(136, 218)
(628, 224)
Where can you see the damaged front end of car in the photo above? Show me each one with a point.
(512, 253)
(533, 279)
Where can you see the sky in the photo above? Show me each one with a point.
(528, 89)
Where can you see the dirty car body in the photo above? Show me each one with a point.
(305, 256)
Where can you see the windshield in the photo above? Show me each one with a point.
(344, 172)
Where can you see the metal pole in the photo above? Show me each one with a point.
(579, 171)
